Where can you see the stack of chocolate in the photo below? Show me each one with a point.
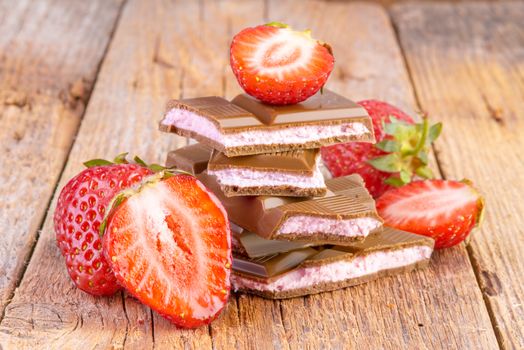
(293, 232)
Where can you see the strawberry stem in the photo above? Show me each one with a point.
(277, 24)
(422, 141)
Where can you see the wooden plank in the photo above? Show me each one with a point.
(440, 307)
(135, 81)
(157, 53)
(466, 62)
(49, 55)
(144, 66)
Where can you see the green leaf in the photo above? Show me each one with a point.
(405, 176)
(167, 175)
(390, 128)
(388, 145)
(156, 167)
(175, 171)
(434, 131)
(139, 161)
(394, 181)
(121, 158)
(97, 162)
(424, 172)
(102, 228)
(277, 24)
(389, 163)
(118, 200)
(423, 157)
(422, 133)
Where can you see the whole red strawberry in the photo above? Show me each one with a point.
(444, 210)
(80, 210)
(278, 65)
(169, 245)
(399, 155)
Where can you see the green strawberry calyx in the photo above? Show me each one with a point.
(407, 146)
(160, 172)
(122, 159)
(277, 24)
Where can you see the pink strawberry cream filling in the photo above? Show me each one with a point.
(337, 271)
(304, 224)
(247, 178)
(187, 120)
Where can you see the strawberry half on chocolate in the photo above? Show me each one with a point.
(279, 65)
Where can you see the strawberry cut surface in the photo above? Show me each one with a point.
(169, 246)
(444, 210)
(278, 65)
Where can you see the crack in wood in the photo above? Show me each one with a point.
(87, 95)
(495, 113)
(157, 58)
(438, 24)
(152, 328)
(122, 296)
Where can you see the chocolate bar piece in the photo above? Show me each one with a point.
(292, 173)
(345, 214)
(271, 265)
(192, 158)
(252, 245)
(384, 253)
(247, 126)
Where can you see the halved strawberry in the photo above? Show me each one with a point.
(278, 65)
(442, 209)
(168, 244)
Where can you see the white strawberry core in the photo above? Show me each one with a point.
(190, 121)
(337, 271)
(280, 54)
(248, 178)
(308, 225)
(438, 202)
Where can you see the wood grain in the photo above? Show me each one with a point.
(49, 56)
(440, 307)
(165, 49)
(467, 63)
(161, 49)
(133, 85)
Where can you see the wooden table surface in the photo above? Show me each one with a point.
(83, 79)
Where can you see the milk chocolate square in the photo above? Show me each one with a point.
(247, 126)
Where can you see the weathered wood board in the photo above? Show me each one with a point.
(164, 49)
(467, 65)
(438, 307)
(50, 52)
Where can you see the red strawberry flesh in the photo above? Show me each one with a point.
(278, 65)
(169, 246)
(444, 210)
